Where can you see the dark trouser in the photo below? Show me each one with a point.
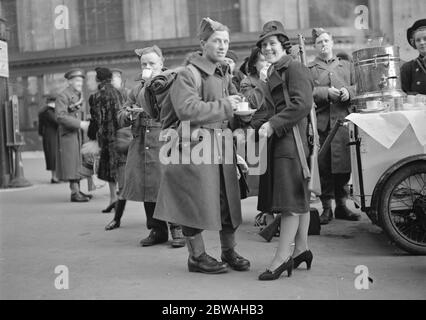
(153, 223)
(333, 185)
(228, 230)
(74, 186)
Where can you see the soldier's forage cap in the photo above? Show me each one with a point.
(271, 28)
(316, 32)
(73, 73)
(208, 27)
(155, 49)
(419, 24)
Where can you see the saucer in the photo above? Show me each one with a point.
(372, 110)
(245, 112)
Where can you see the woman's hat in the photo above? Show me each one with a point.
(103, 74)
(410, 32)
(271, 28)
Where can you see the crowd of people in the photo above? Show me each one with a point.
(207, 92)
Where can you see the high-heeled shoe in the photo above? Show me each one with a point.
(112, 225)
(306, 256)
(109, 208)
(274, 275)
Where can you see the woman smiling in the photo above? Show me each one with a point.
(283, 188)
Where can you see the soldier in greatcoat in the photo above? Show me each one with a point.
(143, 172)
(205, 196)
(334, 81)
(69, 114)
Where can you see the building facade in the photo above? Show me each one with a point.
(48, 37)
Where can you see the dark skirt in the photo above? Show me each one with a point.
(282, 188)
(49, 147)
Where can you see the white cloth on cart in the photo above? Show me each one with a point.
(387, 127)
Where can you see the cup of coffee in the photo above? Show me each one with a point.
(374, 104)
(411, 99)
(146, 74)
(243, 106)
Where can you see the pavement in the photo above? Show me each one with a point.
(40, 230)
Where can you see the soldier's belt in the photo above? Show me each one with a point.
(146, 122)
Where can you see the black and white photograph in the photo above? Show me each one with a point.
(211, 156)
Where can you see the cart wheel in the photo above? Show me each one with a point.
(402, 208)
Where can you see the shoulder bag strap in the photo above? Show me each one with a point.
(296, 133)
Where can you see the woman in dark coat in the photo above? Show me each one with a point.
(48, 130)
(413, 73)
(283, 188)
(104, 106)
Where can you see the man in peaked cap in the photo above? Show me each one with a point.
(68, 112)
(334, 81)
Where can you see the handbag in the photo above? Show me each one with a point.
(123, 139)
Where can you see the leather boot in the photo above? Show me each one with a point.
(342, 211)
(178, 240)
(199, 260)
(155, 237)
(229, 256)
(77, 197)
(120, 205)
(327, 214)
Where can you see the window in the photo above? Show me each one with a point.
(100, 21)
(333, 13)
(9, 7)
(224, 11)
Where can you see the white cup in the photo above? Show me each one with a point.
(421, 98)
(146, 74)
(374, 104)
(243, 106)
(411, 99)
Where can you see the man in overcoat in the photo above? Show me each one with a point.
(68, 113)
(205, 195)
(334, 81)
(142, 173)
